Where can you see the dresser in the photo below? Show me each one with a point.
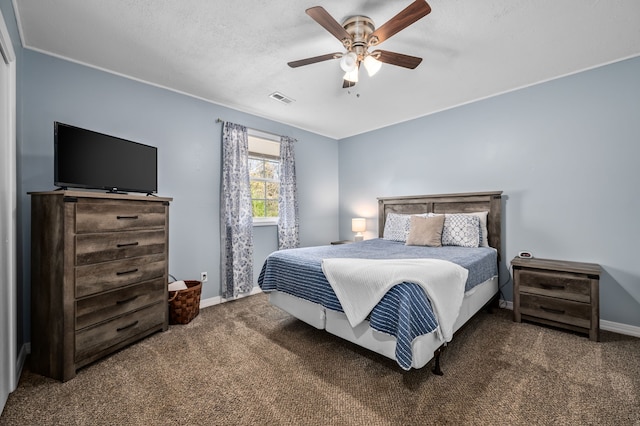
(99, 274)
(557, 293)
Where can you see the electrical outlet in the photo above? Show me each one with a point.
(203, 277)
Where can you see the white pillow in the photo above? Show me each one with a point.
(461, 230)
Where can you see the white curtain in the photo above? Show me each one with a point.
(288, 200)
(236, 217)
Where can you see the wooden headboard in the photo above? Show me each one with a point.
(448, 203)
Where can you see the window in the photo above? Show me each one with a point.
(264, 168)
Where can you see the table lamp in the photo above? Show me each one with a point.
(358, 225)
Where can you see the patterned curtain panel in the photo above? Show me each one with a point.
(288, 199)
(236, 217)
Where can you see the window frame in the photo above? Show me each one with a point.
(257, 153)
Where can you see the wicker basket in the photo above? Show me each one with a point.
(184, 305)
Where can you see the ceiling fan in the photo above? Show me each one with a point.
(358, 33)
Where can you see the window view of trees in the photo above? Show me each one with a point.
(265, 186)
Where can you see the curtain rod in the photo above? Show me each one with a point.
(220, 120)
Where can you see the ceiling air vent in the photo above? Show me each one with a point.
(281, 98)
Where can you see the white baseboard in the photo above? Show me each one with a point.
(615, 327)
(218, 299)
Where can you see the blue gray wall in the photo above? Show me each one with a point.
(565, 153)
(189, 147)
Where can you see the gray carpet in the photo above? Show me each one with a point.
(245, 362)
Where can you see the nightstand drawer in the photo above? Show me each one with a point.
(564, 311)
(562, 285)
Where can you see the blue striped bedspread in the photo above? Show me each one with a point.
(404, 312)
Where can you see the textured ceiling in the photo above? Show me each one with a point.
(234, 53)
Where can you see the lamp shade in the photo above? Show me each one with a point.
(358, 224)
(351, 76)
(349, 62)
(372, 65)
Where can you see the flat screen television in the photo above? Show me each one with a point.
(92, 160)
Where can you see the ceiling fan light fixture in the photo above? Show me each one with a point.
(349, 62)
(352, 76)
(358, 33)
(372, 65)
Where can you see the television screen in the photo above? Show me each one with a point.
(87, 159)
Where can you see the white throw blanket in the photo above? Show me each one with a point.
(361, 283)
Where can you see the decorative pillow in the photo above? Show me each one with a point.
(484, 234)
(425, 231)
(461, 230)
(396, 226)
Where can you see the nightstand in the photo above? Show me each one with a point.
(335, 243)
(558, 293)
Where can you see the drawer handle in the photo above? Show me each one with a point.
(131, 271)
(127, 217)
(127, 244)
(122, 302)
(133, 324)
(553, 286)
(552, 311)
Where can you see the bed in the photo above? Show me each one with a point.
(403, 325)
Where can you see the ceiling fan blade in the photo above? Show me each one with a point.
(323, 18)
(301, 62)
(398, 59)
(413, 12)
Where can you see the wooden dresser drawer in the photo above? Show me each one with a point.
(559, 310)
(563, 285)
(104, 247)
(104, 306)
(92, 340)
(91, 279)
(103, 217)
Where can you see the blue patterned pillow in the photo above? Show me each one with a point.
(397, 226)
(461, 230)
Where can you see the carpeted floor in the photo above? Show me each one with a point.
(245, 362)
